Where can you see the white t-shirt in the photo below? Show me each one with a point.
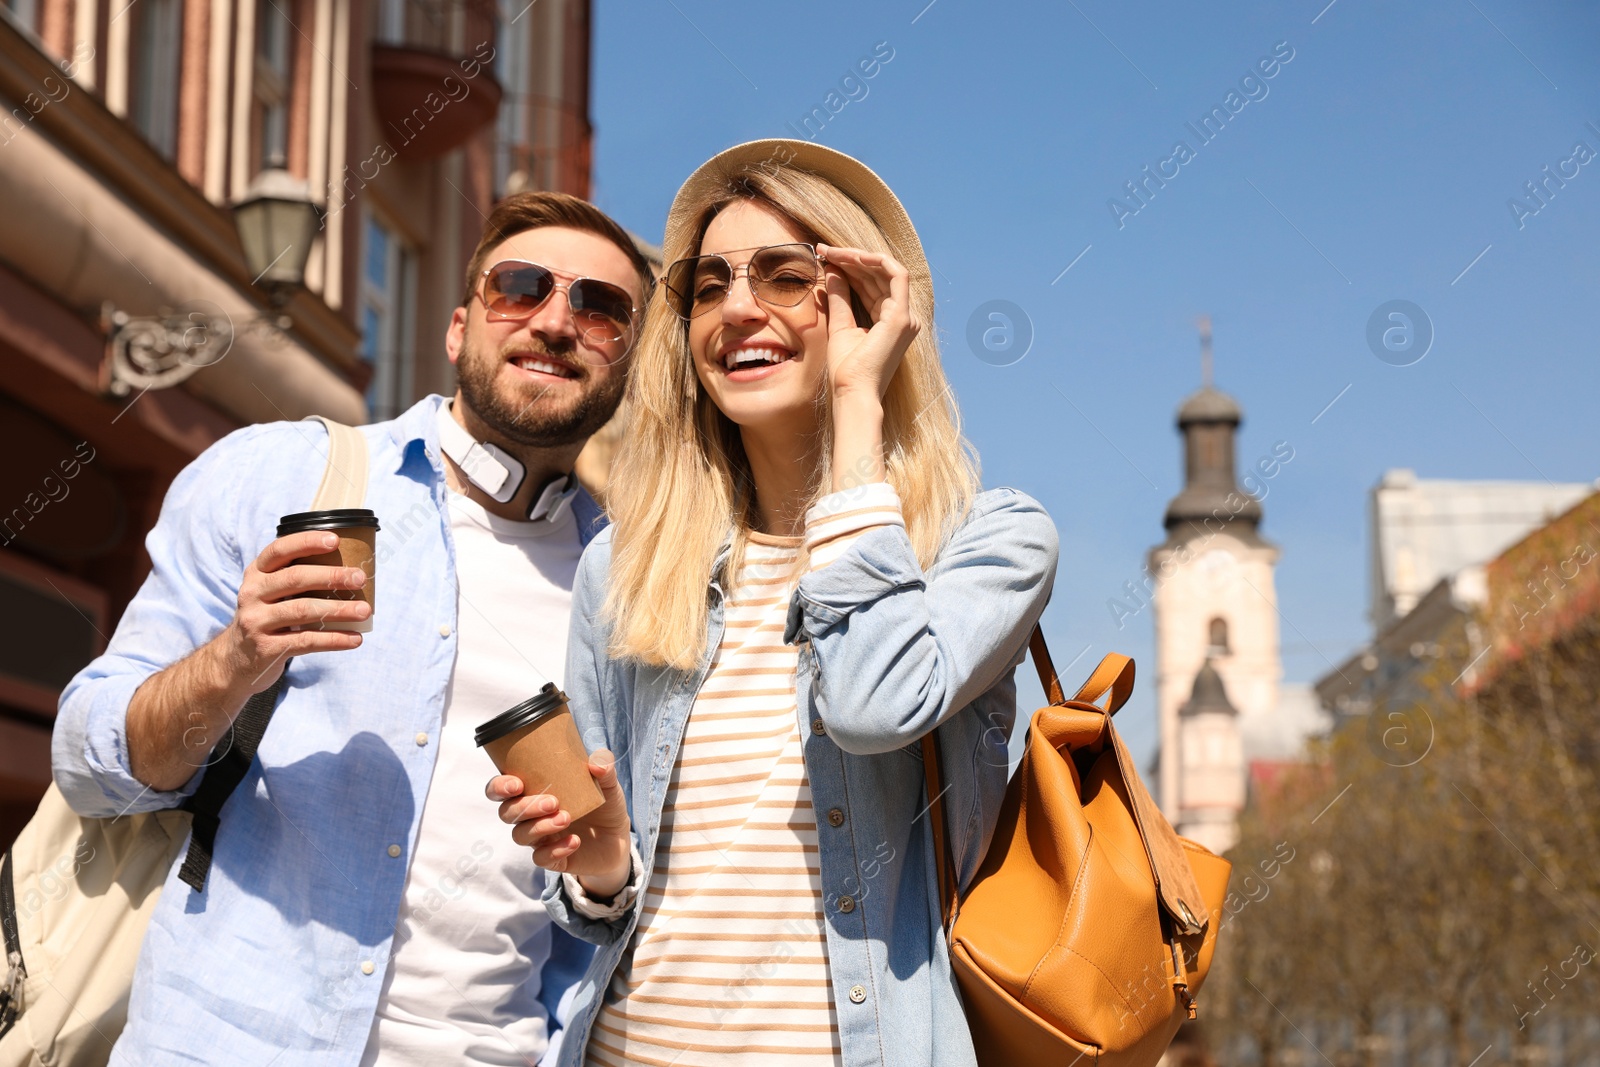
(462, 985)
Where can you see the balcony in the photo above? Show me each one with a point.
(433, 76)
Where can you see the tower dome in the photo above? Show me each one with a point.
(1208, 694)
(1209, 421)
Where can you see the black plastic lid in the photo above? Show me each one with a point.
(526, 713)
(336, 519)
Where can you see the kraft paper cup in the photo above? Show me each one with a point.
(538, 742)
(358, 543)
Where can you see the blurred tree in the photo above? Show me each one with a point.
(1446, 887)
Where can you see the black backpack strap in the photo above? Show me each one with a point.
(13, 968)
(344, 485)
(238, 747)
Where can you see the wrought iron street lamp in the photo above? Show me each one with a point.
(277, 221)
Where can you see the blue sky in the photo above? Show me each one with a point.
(1376, 164)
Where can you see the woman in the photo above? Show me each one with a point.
(800, 581)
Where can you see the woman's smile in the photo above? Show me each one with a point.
(754, 359)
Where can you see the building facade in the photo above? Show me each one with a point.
(1439, 556)
(134, 329)
(1425, 529)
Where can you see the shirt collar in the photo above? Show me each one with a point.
(416, 425)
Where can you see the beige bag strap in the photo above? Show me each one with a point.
(344, 480)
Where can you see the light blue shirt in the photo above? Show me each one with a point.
(888, 651)
(282, 957)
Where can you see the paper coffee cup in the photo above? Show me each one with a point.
(358, 543)
(538, 742)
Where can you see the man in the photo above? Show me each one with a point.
(363, 904)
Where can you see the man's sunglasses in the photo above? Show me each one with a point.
(780, 276)
(602, 312)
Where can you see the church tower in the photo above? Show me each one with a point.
(1216, 621)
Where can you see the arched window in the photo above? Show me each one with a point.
(1218, 637)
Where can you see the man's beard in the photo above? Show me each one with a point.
(527, 416)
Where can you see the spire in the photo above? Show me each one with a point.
(1209, 420)
(1208, 694)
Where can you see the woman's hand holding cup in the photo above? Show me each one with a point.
(597, 849)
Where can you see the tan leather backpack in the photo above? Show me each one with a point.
(1090, 924)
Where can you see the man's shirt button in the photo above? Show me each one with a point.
(366, 968)
(394, 851)
(857, 994)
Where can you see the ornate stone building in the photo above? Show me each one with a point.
(136, 325)
(1216, 623)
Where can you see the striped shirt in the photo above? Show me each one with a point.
(730, 956)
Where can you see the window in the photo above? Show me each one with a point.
(391, 21)
(156, 47)
(388, 336)
(24, 13)
(272, 82)
(514, 123)
(433, 24)
(1218, 634)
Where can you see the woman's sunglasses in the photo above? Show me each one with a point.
(514, 289)
(780, 276)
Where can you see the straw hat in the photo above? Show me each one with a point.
(852, 177)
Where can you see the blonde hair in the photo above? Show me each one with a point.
(681, 485)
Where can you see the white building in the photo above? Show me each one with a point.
(1427, 529)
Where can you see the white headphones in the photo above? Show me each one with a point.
(498, 473)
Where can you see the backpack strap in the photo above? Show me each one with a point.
(1046, 667)
(344, 479)
(222, 777)
(344, 485)
(943, 855)
(11, 991)
(1115, 674)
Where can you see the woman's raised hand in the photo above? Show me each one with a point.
(597, 849)
(863, 360)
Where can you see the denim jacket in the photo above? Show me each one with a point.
(887, 652)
